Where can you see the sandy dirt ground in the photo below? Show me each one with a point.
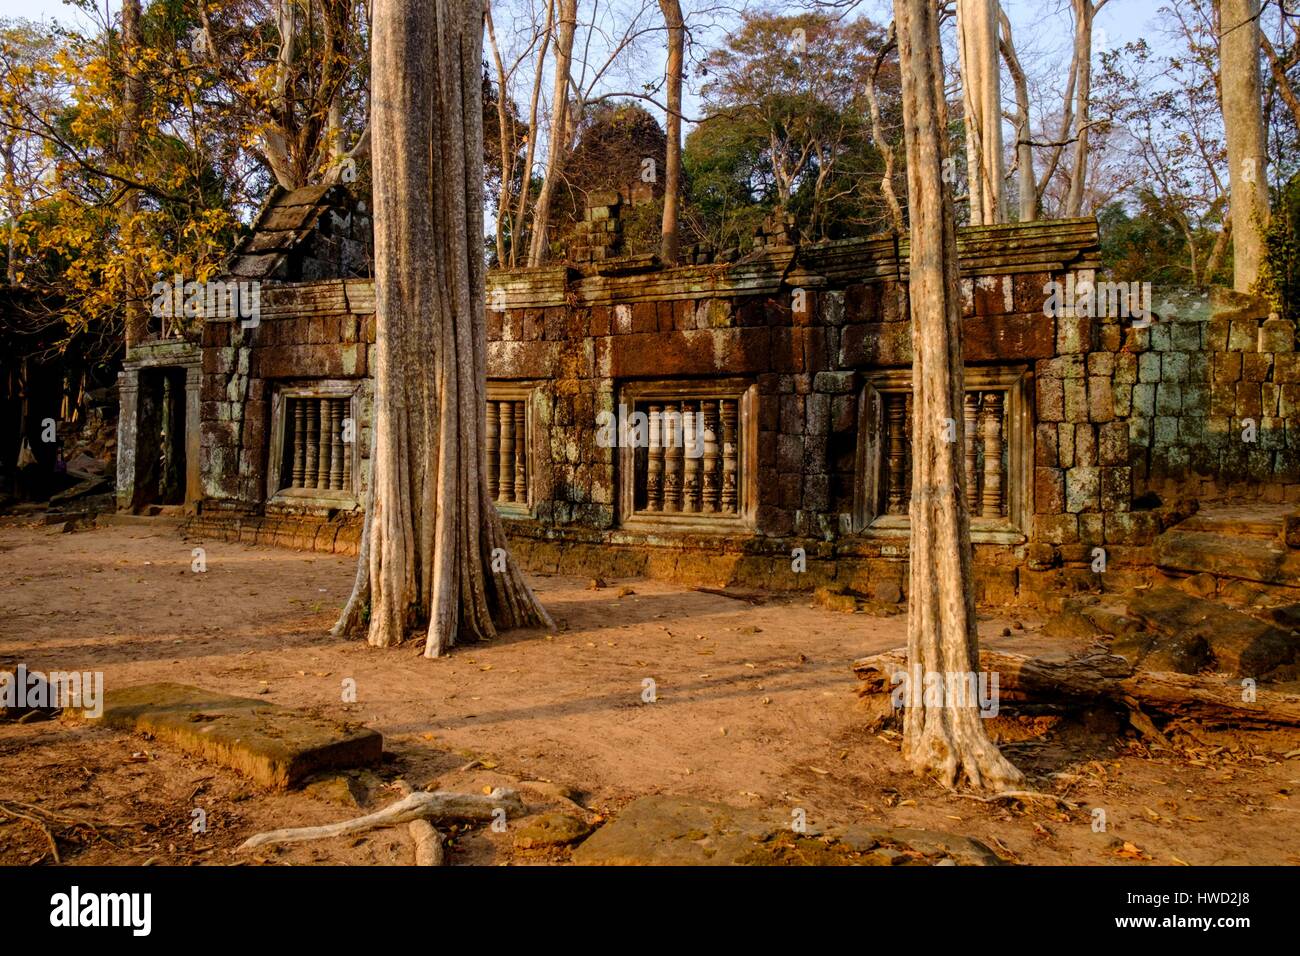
(755, 707)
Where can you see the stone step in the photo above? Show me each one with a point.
(1236, 556)
(276, 746)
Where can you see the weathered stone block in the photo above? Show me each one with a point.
(1082, 489)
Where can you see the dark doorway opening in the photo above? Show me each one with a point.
(160, 443)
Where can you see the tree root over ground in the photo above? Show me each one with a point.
(437, 807)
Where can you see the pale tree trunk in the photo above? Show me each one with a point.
(276, 145)
(977, 33)
(1084, 12)
(503, 141)
(1026, 184)
(432, 536)
(136, 312)
(521, 210)
(672, 11)
(947, 741)
(1243, 124)
(886, 148)
(559, 133)
(11, 207)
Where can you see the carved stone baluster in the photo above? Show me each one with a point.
(971, 411)
(311, 467)
(711, 485)
(729, 457)
(993, 504)
(907, 453)
(690, 438)
(896, 462)
(336, 444)
(654, 467)
(349, 445)
(521, 453)
(327, 427)
(507, 454)
(670, 436)
(299, 441)
(493, 450)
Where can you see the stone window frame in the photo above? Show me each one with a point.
(1017, 382)
(276, 491)
(500, 390)
(744, 392)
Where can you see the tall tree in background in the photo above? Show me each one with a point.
(132, 43)
(558, 145)
(977, 36)
(672, 11)
(433, 555)
(944, 739)
(1026, 185)
(1085, 11)
(1243, 123)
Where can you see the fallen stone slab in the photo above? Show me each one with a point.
(276, 746)
(680, 831)
(1252, 559)
(1242, 645)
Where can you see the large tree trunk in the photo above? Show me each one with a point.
(672, 11)
(1243, 123)
(558, 146)
(136, 312)
(431, 530)
(977, 33)
(949, 741)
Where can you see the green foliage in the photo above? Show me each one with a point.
(1279, 277)
(786, 126)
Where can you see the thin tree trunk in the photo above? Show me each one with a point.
(503, 141)
(1243, 124)
(1084, 11)
(136, 313)
(433, 537)
(977, 31)
(672, 11)
(886, 148)
(948, 741)
(521, 211)
(11, 207)
(557, 147)
(1026, 185)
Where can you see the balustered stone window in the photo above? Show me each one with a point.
(697, 466)
(314, 444)
(509, 425)
(997, 454)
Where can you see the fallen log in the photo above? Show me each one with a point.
(437, 807)
(1108, 676)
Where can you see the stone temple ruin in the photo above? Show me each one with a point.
(1092, 436)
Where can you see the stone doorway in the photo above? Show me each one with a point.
(158, 437)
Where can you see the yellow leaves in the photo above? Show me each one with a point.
(1130, 851)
